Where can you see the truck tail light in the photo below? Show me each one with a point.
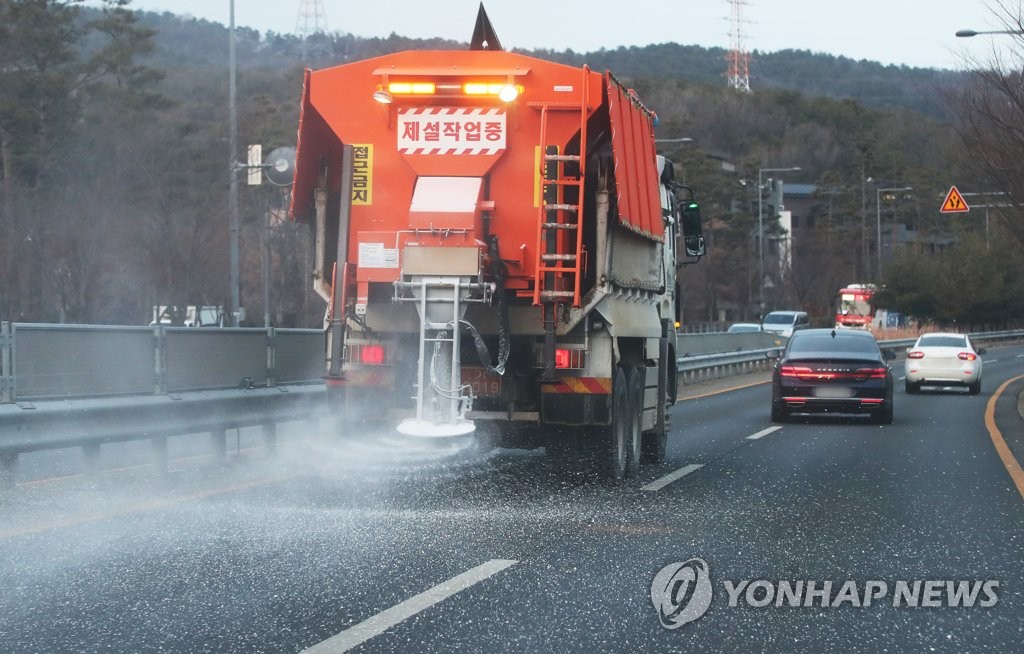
(367, 354)
(967, 356)
(566, 358)
(561, 358)
(372, 355)
(916, 354)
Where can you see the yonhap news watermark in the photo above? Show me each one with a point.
(682, 592)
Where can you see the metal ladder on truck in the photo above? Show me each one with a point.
(560, 233)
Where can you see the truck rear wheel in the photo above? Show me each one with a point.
(656, 440)
(613, 440)
(634, 420)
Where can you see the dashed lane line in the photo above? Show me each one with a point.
(658, 484)
(764, 432)
(378, 624)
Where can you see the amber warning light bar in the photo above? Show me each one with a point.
(504, 91)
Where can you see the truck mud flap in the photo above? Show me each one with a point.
(577, 401)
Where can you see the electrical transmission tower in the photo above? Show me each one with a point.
(738, 57)
(312, 18)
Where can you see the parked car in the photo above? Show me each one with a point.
(832, 371)
(943, 359)
(785, 323)
(742, 327)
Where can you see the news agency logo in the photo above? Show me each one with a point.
(682, 593)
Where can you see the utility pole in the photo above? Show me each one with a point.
(760, 232)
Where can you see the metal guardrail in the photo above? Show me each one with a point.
(88, 385)
(44, 362)
(52, 425)
(85, 386)
(91, 423)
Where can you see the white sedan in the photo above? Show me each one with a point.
(943, 359)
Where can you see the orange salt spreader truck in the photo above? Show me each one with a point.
(498, 242)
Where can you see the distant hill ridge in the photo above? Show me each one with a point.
(870, 83)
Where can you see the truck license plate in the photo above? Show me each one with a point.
(483, 383)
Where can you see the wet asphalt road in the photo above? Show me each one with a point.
(281, 556)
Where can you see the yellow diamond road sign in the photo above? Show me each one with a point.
(954, 202)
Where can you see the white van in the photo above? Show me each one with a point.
(784, 323)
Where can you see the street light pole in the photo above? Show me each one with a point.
(760, 233)
(878, 224)
(233, 168)
(680, 140)
(969, 33)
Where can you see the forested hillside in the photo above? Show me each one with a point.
(116, 162)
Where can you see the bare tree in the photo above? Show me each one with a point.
(989, 114)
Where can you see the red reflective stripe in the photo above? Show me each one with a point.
(598, 385)
(579, 385)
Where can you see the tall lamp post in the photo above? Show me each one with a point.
(878, 223)
(678, 142)
(969, 33)
(760, 232)
(233, 169)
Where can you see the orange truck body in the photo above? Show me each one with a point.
(473, 137)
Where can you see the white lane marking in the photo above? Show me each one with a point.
(763, 433)
(1020, 356)
(901, 378)
(378, 624)
(992, 360)
(658, 484)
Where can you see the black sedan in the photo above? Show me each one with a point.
(832, 371)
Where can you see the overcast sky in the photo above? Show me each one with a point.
(911, 32)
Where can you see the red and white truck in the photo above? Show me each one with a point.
(854, 307)
(499, 242)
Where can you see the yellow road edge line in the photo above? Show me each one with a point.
(1009, 461)
(129, 468)
(140, 508)
(679, 398)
